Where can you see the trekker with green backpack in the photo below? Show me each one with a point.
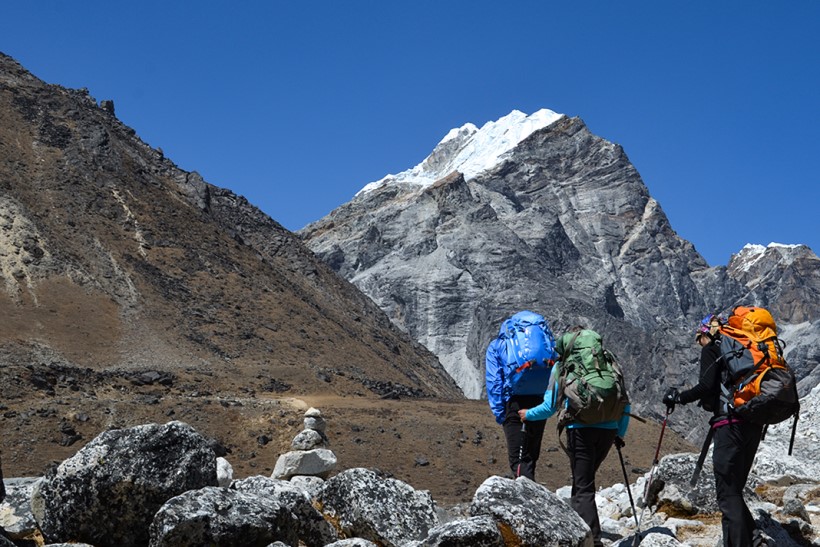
(588, 392)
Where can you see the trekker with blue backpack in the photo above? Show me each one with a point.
(518, 366)
(587, 390)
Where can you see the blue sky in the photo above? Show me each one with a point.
(297, 105)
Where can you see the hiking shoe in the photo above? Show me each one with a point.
(761, 539)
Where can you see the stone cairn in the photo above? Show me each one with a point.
(309, 461)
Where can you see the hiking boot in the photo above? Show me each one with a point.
(761, 539)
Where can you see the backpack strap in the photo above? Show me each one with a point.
(571, 343)
(562, 379)
(733, 352)
(561, 443)
(725, 397)
(560, 397)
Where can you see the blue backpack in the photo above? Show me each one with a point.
(530, 353)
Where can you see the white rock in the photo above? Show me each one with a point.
(313, 413)
(319, 462)
(224, 472)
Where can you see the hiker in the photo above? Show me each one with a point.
(589, 438)
(518, 362)
(736, 440)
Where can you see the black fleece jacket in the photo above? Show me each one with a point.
(707, 390)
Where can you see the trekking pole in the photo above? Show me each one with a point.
(702, 458)
(618, 444)
(794, 431)
(521, 448)
(655, 461)
(635, 417)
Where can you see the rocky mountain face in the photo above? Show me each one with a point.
(560, 223)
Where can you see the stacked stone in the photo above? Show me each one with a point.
(310, 459)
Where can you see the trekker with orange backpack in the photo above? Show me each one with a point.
(746, 384)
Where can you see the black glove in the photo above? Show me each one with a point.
(619, 443)
(671, 398)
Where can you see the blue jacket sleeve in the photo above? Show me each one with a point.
(494, 377)
(545, 409)
(623, 423)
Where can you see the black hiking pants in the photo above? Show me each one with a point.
(734, 452)
(525, 444)
(588, 447)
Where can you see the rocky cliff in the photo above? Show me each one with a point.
(559, 222)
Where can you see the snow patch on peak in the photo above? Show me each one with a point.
(759, 249)
(470, 150)
(753, 248)
(751, 253)
(466, 129)
(748, 256)
(784, 246)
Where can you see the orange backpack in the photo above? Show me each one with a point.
(759, 386)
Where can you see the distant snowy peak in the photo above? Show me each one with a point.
(751, 254)
(471, 150)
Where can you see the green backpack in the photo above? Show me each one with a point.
(591, 387)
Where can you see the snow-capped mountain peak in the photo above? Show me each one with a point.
(470, 150)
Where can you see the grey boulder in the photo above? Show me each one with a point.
(529, 515)
(472, 532)
(383, 510)
(221, 516)
(108, 492)
(313, 530)
(15, 511)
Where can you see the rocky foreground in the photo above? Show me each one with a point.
(163, 485)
